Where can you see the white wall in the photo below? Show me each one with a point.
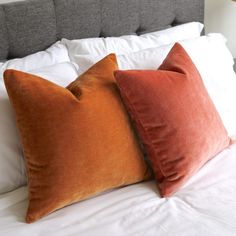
(220, 16)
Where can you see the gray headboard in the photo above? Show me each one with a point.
(33, 25)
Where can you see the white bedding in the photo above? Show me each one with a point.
(206, 205)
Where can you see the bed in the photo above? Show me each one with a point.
(205, 205)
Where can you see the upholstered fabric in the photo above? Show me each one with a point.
(187, 9)
(77, 141)
(33, 25)
(120, 17)
(84, 18)
(3, 36)
(175, 118)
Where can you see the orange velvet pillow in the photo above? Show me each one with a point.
(175, 118)
(77, 141)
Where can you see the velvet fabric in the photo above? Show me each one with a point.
(77, 141)
(175, 118)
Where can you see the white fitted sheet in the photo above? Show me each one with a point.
(205, 206)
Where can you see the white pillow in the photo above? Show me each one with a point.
(12, 168)
(214, 62)
(173, 34)
(55, 54)
(93, 49)
(62, 74)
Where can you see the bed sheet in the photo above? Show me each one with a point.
(206, 205)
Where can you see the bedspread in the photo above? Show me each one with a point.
(206, 205)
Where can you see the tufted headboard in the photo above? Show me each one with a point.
(29, 26)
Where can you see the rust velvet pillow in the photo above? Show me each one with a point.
(77, 141)
(175, 118)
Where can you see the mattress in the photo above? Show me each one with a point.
(206, 205)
